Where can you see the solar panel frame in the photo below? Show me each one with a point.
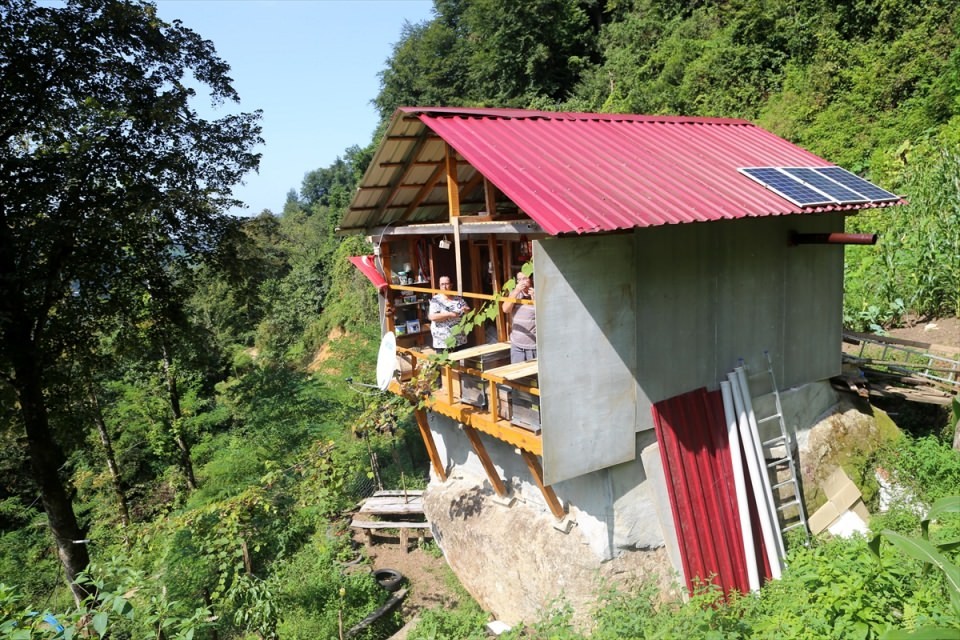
(787, 186)
(840, 193)
(851, 181)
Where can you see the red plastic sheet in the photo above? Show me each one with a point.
(368, 266)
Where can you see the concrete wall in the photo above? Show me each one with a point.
(624, 507)
(627, 320)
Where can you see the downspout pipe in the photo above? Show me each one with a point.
(832, 238)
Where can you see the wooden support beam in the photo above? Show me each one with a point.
(548, 494)
(424, 190)
(453, 188)
(493, 400)
(471, 184)
(453, 198)
(476, 285)
(490, 197)
(485, 460)
(497, 283)
(387, 298)
(431, 446)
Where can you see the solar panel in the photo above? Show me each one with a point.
(786, 186)
(872, 192)
(840, 193)
(813, 186)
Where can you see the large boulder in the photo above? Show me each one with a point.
(518, 565)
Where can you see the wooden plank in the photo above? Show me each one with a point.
(399, 492)
(479, 350)
(391, 509)
(513, 371)
(380, 524)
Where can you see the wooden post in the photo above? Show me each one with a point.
(497, 283)
(494, 401)
(431, 446)
(489, 197)
(388, 293)
(453, 198)
(548, 494)
(475, 283)
(485, 460)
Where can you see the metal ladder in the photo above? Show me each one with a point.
(786, 463)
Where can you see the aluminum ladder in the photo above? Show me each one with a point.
(786, 463)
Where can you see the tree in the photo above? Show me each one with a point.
(106, 169)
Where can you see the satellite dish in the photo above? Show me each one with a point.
(386, 360)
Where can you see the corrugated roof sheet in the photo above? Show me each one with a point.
(695, 451)
(581, 172)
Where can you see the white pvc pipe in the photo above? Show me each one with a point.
(749, 452)
(764, 476)
(739, 482)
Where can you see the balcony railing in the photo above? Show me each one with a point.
(475, 386)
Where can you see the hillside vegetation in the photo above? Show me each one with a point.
(157, 408)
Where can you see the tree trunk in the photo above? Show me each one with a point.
(185, 462)
(46, 458)
(107, 443)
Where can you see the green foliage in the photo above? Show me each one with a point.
(465, 620)
(310, 608)
(929, 554)
(927, 466)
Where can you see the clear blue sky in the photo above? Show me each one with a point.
(311, 66)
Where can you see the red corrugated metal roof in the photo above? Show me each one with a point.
(695, 451)
(582, 173)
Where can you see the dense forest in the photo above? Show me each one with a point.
(182, 408)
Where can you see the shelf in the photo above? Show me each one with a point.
(413, 335)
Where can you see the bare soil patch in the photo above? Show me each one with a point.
(939, 331)
(429, 581)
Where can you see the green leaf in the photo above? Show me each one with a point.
(950, 504)
(926, 552)
(100, 623)
(929, 633)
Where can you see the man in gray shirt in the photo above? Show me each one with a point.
(523, 332)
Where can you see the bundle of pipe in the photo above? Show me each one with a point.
(745, 440)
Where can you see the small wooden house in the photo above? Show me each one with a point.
(665, 251)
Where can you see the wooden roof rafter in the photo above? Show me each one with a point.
(428, 186)
(408, 164)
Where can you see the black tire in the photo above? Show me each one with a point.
(389, 579)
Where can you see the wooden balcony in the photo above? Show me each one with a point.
(474, 398)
